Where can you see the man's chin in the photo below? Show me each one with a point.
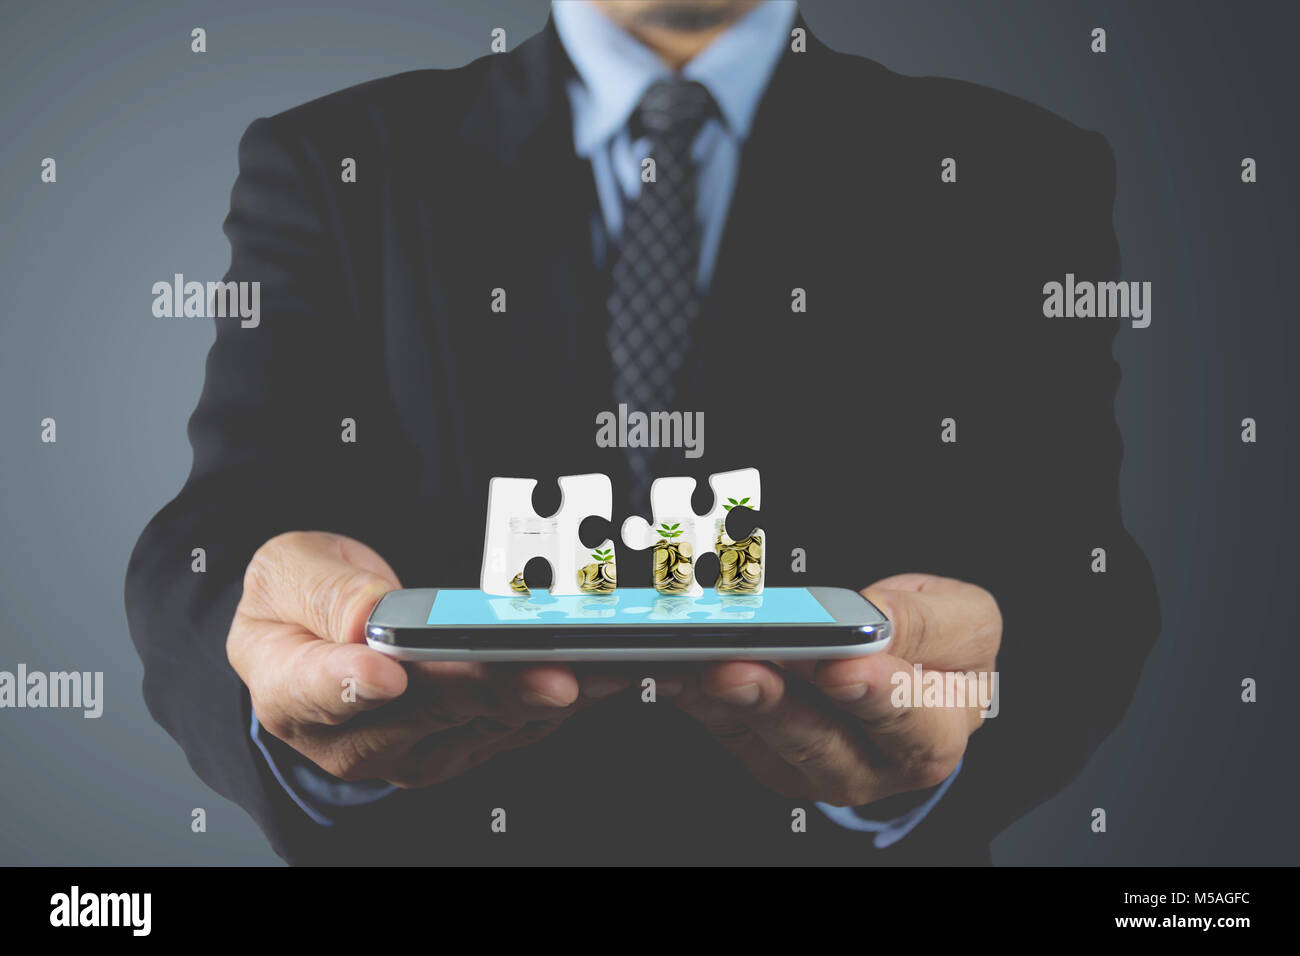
(687, 16)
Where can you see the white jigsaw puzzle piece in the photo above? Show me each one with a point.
(671, 498)
(581, 497)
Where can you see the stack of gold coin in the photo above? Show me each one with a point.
(740, 564)
(517, 584)
(598, 578)
(672, 566)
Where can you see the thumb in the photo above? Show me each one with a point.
(325, 583)
(297, 640)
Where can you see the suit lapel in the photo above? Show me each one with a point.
(549, 366)
(770, 245)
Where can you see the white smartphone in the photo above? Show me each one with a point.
(631, 624)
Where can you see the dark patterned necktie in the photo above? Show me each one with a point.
(654, 300)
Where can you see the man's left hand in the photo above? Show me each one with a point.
(829, 730)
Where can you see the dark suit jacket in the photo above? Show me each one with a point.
(924, 303)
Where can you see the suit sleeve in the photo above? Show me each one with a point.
(268, 457)
(1045, 508)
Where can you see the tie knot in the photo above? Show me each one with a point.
(673, 108)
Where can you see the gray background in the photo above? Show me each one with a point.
(144, 132)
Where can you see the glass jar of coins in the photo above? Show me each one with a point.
(740, 563)
(673, 569)
(598, 575)
(529, 537)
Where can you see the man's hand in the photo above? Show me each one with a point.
(828, 730)
(298, 636)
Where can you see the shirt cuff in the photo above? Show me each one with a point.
(317, 793)
(889, 832)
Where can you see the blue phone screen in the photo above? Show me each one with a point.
(628, 606)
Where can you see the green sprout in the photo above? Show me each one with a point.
(667, 530)
(601, 555)
(736, 504)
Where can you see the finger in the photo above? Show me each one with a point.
(455, 716)
(448, 754)
(444, 756)
(430, 733)
(818, 742)
(516, 692)
(938, 622)
(598, 681)
(919, 742)
(295, 679)
(725, 725)
(325, 583)
(804, 669)
(447, 694)
(669, 680)
(545, 686)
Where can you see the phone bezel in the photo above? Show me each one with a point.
(859, 627)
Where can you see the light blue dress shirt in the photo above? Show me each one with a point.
(614, 71)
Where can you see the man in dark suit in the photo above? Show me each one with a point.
(852, 294)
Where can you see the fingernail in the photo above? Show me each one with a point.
(533, 699)
(369, 692)
(599, 687)
(745, 695)
(846, 693)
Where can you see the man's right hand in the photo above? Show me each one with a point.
(299, 635)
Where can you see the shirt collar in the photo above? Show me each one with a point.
(616, 69)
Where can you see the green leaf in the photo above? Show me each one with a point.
(726, 507)
(734, 501)
(744, 501)
(676, 526)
